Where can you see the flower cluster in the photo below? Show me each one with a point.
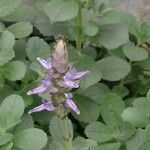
(60, 78)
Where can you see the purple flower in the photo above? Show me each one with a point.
(46, 105)
(45, 85)
(47, 64)
(71, 76)
(70, 104)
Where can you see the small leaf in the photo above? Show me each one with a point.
(21, 29)
(94, 74)
(111, 109)
(99, 132)
(123, 131)
(120, 90)
(8, 116)
(7, 41)
(134, 53)
(95, 92)
(15, 70)
(86, 106)
(37, 47)
(136, 141)
(84, 144)
(113, 68)
(136, 118)
(111, 36)
(30, 139)
(61, 10)
(26, 123)
(145, 64)
(7, 6)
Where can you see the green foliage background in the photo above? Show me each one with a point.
(104, 38)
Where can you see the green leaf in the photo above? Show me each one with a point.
(86, 106)
(136, 141)
(134, 53)
(21, 29)
(111, 36)
(30, 139)
(95, 92)
(20, 49)
(7, 146)
(58, 132)
(84, 144)
(142, 105)
(113, 68)
(7, 41)
(5, 138)
(14, 70)
(123, 131)
(111, 109)
(110, 146)
(26, 123)
(136, 118)
(37, 47)
(7, 6)
(61, 10)
(8, 116)
(37, 68)
(55, 145)
(131, 22)
(145, 64)
(25, 12)
(99, 132)
(93, 76)
(120, 90)
(145, 146)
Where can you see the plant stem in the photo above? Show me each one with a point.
(79, 30)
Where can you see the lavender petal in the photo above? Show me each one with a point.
(42, 88)
(44, 106)
(37, 90)
(45, 63)
(70, 104)
(79, 75)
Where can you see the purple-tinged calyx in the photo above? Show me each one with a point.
(46, 105)
(70, 104)
(45, 85)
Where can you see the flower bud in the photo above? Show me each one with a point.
(60, 56)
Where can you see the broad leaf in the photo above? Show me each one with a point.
(8, 116)
(30, 139)
(113, 68)
(99, 132)
(61, 10)
(21, 29)
(86, 106)
(134, 53)
(15, 70)
(37, 47)
(7, 6)
(111, 36)
(111, 109)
